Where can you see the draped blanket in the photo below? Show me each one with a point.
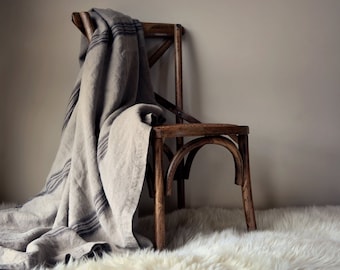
(92, 191)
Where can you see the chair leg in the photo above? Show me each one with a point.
(159, 196)
(246, 187)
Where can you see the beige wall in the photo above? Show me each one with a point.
(273, 65)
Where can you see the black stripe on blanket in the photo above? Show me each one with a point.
(71, 104)
(87, 225)
(127, 28)
(118, 29)
(100, 202)
(104, 37)
(56, 232)
(102, 147)
(56, 179)
(83, 227)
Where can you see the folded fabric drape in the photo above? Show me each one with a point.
(94, 185)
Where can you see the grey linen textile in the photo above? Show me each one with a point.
(93, 188)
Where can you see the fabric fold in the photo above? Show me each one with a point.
(94, 185)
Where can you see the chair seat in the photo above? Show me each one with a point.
(198, 129)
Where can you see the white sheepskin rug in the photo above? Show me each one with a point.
(214, 238)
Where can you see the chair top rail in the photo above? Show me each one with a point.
(83, 21)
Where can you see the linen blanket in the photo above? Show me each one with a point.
(93, 188)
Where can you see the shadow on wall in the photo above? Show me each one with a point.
(192, 77)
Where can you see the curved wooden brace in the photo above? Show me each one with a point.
(194, 146)
(192, 154)
(189, 160)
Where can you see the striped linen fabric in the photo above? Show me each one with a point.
(92, 191)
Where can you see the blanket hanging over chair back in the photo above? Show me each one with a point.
(93, 188)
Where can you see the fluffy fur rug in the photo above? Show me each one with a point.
(210, 238)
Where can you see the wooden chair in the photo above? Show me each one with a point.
(234, 138)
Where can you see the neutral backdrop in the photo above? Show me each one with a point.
(272, 65)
